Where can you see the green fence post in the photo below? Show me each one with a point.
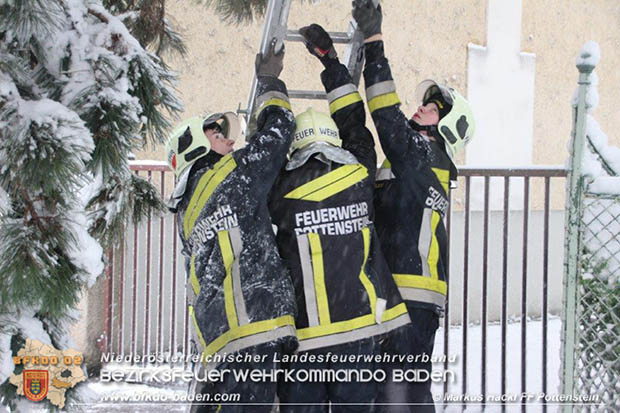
(574, 208)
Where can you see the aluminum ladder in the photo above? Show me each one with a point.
(276, 19)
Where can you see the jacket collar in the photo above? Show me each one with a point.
(206, 161)
(322, 151)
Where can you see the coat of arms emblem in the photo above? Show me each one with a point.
(36, 384)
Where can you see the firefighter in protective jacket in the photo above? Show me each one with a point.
(322, 207)
(243, 300)
(413, 189)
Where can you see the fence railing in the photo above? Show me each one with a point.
(503, 258)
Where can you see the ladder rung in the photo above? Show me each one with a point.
(337, 37)
(307, 94)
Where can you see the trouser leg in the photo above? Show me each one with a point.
(422, 343)
(356, 395)
(303, 396)
(392, 396)
(254, 397)
(313, 397)
(415, 340)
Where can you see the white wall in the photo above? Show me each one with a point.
(500, 82)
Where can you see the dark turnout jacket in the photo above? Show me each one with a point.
(412, 192)
(323, 211)
(243, 293)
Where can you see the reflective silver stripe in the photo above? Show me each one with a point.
(384, 174)
(379, 309)
(253, 340)
(308, 277)
(423, 296)
(349, 336)
(235, 241)
(380, 88)
(424, 241)
(274, 94)
(341, 91)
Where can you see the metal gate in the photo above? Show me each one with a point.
(591, 322)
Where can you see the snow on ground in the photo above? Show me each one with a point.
(513, 364)
(103, 391)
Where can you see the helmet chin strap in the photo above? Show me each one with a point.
(431, 130)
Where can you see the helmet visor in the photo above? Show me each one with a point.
(226, 123)
(428, 88)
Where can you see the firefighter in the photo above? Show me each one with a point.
(242, 297)
(322, 207)
(412, 195)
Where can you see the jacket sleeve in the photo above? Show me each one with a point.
(266, 151)
(347, 110)
(403, 147)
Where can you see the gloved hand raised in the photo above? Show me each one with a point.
(272, 63)
(367, 16)
(318, 42)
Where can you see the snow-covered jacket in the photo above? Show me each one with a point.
(412, 192)
(243, 292)
(322, 206)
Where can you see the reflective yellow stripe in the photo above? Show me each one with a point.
(336, 327)
(433, 252)
(444, 178)
(368, 286)
(275, 102)
(344, 101)
(392, 313)
(352, 324)
(228, 258)
(248, 330)
(207, 184)
(329, 184)
(198, 332)
(420, 281)
(389, 99)
(319, 278)
(192, 276)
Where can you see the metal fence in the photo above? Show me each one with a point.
(517, 254)
(502, 260)
(591, 322)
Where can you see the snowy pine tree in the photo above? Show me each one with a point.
(238, 10)
(78, 93)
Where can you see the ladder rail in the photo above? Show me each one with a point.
(277, 10)
(276, 21)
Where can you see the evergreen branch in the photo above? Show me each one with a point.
(170, 40)
(33, 259)
(154, 88)
(98, 15)
(17, 69)
(24, 20)
(133, 199)
(79, 93)
(237, 11)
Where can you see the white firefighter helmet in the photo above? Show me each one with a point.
(188, 143)
(458, 125)
(313, 126)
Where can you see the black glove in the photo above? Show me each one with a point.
(319, 43)
(367, 16)
(272, 63)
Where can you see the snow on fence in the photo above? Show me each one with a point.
(591, 322)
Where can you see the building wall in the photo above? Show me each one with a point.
(424, 39)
